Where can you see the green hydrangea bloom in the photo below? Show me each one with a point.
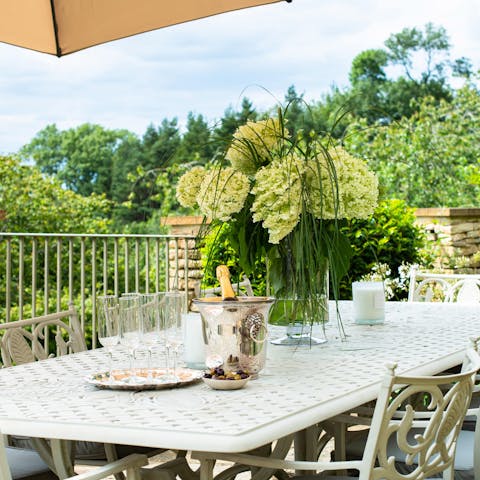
(253, 144)
(189, 186)
(222, 193)
(355, 185)
(278, 196)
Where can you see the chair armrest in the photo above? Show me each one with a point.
(134, 461)
(275, 463)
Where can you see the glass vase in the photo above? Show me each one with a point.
(304, 319)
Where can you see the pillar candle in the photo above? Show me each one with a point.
(368, 302)
(194, 346)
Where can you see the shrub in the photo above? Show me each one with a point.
(389, 237)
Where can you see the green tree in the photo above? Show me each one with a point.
(430, 159)
(377, 92)
(34, 202)
(196, 145)
(231, 120)
(160, 144)
(82, 158)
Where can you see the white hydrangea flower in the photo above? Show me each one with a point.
(189, 186)
(222, 193)
(253, 144)
(278, 196)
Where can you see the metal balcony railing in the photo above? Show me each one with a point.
(42, 273)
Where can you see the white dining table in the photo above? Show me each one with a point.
(299, 387)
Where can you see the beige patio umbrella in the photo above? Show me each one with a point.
(60, 27)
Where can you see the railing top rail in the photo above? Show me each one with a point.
(94, 235)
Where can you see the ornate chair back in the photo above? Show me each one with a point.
(25, 341)
(424, 416)
(428, 287)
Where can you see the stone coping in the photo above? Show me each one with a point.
(447, 212)
(183, 220)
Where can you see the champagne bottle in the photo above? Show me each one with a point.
(223, 276)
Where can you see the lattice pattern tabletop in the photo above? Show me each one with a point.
(299, 386)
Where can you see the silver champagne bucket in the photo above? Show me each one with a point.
(235, 332)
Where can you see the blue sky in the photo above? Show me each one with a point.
(207, 65)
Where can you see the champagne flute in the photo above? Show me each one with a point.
(130, 330)
(174, 307)
(108, 330)
(151, 324)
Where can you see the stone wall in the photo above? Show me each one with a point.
(456, 232)
(184, 252)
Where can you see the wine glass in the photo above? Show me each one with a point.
(108, 330)
(151, 318)
(174, 307)
(130, 330)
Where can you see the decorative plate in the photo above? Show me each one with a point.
(158, 380)
(217, 384)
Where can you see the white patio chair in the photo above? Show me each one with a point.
(428, 287)
(430, 451)
(130, 465)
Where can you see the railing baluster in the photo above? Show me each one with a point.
(59, 274)
(94, 292)
(167, 264)
(115, 265)
(70, 270)
(21, 273)
(147, 265)
(105, 266)
(185, 271)
(34, 277)
(8, 285)
(46, 286)
(157, 265)
(82, 283)
(125, 245)
(137, 264)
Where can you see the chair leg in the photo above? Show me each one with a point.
(206, 469)
(4, 468)
(62, 457)
(111, 454)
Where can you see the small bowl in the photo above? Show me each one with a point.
(217, 384)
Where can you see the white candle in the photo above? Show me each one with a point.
(368, 302)
(194, 346)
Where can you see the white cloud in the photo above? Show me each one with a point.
(204, 66)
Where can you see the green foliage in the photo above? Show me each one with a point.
(217, 249)
(390, 237)
(429, 159)
(377, 95)
(82, 158)
(34, 202)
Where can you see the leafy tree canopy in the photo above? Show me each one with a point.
(430, 159)
(34, 202)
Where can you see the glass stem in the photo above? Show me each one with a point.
(110, 365)
(149, 364)
(132, 362)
